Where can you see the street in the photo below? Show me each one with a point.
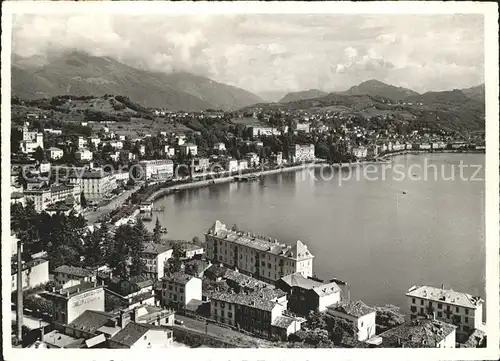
(115, 202)
(222, 333)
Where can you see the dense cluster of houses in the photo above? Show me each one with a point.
(269, 293)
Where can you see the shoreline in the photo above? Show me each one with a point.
(229, 178)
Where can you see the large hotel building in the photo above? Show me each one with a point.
(259, 257)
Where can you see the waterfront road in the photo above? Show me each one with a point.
(222, 333)
(118, 201)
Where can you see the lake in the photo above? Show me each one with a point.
(380, 231)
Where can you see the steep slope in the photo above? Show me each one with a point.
(442, 97)
(81, 74)
(476, 92)
(302, 95)
(377, 88)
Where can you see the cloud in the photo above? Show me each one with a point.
(274, 52)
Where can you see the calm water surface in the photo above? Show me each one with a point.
(364, 231)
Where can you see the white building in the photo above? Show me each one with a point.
(301, 153)
(458, 308)
(34, 273)
(95, 140)
(360, 152)
(44, 167)
(303, 127)
(231, 165)
(180, 288)
(242, 164)
(81, 142)
(253, 159)
(189, 148)
(255, 255)
(160, 168)
(43, 197)
(116, 144)
(169, 151)
(259, 131)
(84, 154)
(55, 153)
(95, 184)
(31, 140)
(154, 257)
(358, 314)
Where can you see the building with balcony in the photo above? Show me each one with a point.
(95, 185)
(458, 308)
(262, 258)
(157, 169)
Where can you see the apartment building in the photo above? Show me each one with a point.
(180, 288)
(158, 169)
(306, 294)
(356, 313)
(257, 256)
(458, 308)
(95, 184)
(259, 313)
(44, 197)
(301, 153)
(154, 257)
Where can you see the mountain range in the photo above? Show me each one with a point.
(78, 73)
(379, 89)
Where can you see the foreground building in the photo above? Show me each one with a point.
(71, 302)
(420, 334)
(256, 256)
(458, 308)
(359, 315)
(306, 295)
(154, 257)
(261, 313)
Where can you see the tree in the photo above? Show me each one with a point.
(388, 316)
(39, 154)
(93, 250)
(157, 231)
(119, 251)
(316, 319)
(234, 228)
(83, 200)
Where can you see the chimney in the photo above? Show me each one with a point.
(19, 309)
(442, 286)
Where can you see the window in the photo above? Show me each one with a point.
(268, 265)
(222, 313)
(421, 302)
(413, 300)
(361, 323)
(413, 309)
(262, 263)
(230, 315)
(448, 308)
(440, 314)
(467, 311)
(440, 306)
(170, 287)
(458, 309)
(430, 304)
(466, 319)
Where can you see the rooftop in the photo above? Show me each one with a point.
(282, 321)
(356, 309)
(244, 280)
(320, 288)
(156, 248)
(446, 296)
(73, 290)
(296, 252)
(90, 321)
(26, 265)
(131, 333)
(73, 271)
(61, 340)
(179, 277)
(423, 332)
(256, 300)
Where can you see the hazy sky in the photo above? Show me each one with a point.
(276, 52)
